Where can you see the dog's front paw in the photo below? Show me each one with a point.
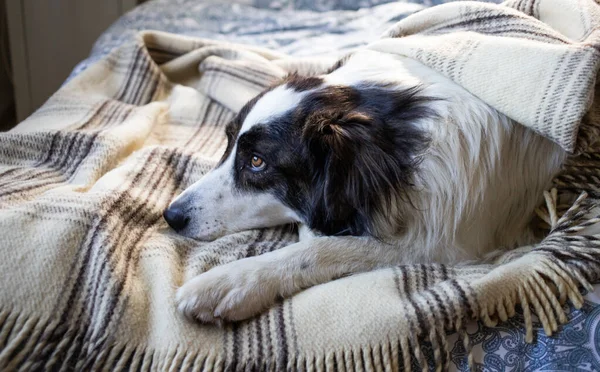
(232, 292)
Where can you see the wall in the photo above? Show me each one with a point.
(7, 107)
(48, 38)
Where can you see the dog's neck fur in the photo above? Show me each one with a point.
(479, 181)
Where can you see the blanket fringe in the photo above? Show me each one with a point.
(549, 277)
(552, 279)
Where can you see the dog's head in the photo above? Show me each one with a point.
(336, 152)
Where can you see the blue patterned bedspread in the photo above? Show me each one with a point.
(307, 27)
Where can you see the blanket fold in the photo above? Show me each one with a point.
(89, 269)
(536, 63)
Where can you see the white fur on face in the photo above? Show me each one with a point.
(214, 205)
(217, 208)
(272, 105)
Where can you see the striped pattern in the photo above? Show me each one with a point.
(535, 61)
(89, 269)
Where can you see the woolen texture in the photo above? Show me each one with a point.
(89, 269)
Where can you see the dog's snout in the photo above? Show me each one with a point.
(176, 217)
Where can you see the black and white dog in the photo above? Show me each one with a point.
(388, 161)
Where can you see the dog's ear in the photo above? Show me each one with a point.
(361, 165)
(336, 132)
(364, 147)
(346, 161)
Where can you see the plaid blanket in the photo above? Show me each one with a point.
(89, 269)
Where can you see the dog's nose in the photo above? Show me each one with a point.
(176, 218)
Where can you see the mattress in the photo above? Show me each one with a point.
(332, 27)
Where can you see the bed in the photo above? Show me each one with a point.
(330, 27)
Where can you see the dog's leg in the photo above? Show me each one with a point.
(244, 288)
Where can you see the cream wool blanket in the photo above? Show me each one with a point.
(88, 268)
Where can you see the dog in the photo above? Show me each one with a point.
(382, 160)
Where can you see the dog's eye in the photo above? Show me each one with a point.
(257, 163)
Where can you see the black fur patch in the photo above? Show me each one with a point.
(338, 156)
(365, 145)
(301, 84)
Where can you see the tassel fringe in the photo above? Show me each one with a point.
(548, 276)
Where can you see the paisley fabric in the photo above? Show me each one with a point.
(503, 348)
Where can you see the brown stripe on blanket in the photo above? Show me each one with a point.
(125, 92)
(103, 112)
(160, 56)
(283, 238)
(527, 7)
(117, 113)
(108, 114)
(211, 130)
(413, 307)
(467, 293)
(153, 84)
(271, 239)
(203, 115)
(494, 23)
(219, 139)
(23, 148)
(20, 150)
(424, 276)
(121, 214)
(440, 300)
(509, 29)
(396, 275)
(22, 173)
(134, 237)
(139, 80)
(246, 72)
(246, 345)
(255, 335)
(251, 250)
(143, 217)
(232, 345)
(217, 73)
(282, 342)
(66, 154)
(292, 329)
(579, 67)
(583, 64)
(119, 63)
(403, 276)
(81, 264)
(247, 337)
(132, 72)
(216, 128)
(143, 78)
(267, 337)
